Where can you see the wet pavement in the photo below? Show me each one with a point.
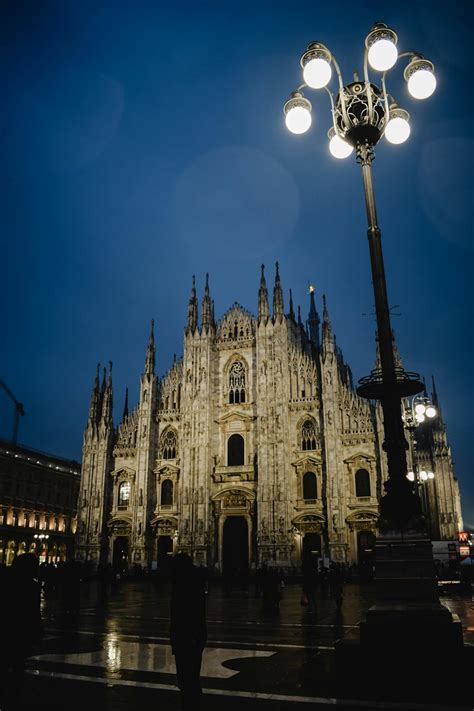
(114, 654)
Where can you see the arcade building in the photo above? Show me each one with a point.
(38, 497)
(254, 447)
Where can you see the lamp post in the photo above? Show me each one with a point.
(407, 597)
(414, 412)
(362, 113)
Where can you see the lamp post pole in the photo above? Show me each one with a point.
(407, 608)
(399, 504)
(361, 114)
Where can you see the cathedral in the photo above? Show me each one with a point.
(252, 448)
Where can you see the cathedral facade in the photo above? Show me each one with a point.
(254, 447)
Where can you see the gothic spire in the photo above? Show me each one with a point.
(192, 309)
(125, 406)
(95, 399)
(206, 313)
(378, 361)
(396, 353)
(263, 309)
(328, 339)
(107, 400)
(291, 313)
(300, 322)
(313, 319)
(434, 394)
(150, 352)
(278, 306)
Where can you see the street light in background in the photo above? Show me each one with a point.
(415, 411)
(362, 113)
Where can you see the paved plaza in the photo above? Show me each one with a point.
(115, 654)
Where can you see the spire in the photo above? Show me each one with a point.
(292, 311)
(313, 318)
(125, 406)
(434, 394)
(263, 309)
(95, 399)
(328, 340)
(206, 313)
(396, 353)
(278, 306)
(378, 361)
(107, 400)
(300, 322)
(192, 309)
(150, 352)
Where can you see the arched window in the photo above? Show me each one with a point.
(167, 493)
(235, 450)
(310, 490)
(169, 445)
(237, 383)
(362, 479)
(124, 494)
(308, 436)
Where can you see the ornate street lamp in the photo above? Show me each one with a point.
(415, 411)
(362, 113)
(407, 619)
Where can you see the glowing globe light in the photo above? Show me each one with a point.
(316, 65)
(317, 73)
(430, 475)
(382, 55)
(297, 112)
(430, 411)
(423, 475)
(419, 417)
(420, 77)
(422, 84)
(411, 476)
(298, 120)
(420, 409)
(338, 147)
(398, 128)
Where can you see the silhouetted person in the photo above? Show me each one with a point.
(310, 582)
(71, 586)
(204, 575)
(21, 625)
(188, 632)
(270, 590)
(336, 583)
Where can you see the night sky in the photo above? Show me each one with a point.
(143, 142)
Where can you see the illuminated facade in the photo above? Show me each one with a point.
(38, 497)
(254, 447)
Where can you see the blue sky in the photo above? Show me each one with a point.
(143, 142)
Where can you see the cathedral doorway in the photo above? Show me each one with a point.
(311, 545)
(365, 554)
(120, 554)
(235, 548)
(164, 552)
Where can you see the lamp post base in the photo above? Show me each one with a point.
(408, 612)
(412, 644)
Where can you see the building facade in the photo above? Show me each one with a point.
(38, 498)
(254, 447)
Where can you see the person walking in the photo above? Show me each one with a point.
(336, 584)
(188, 631)
(21, 625)
(310, 582)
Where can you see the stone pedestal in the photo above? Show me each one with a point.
(408, 612)
(411, 643)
